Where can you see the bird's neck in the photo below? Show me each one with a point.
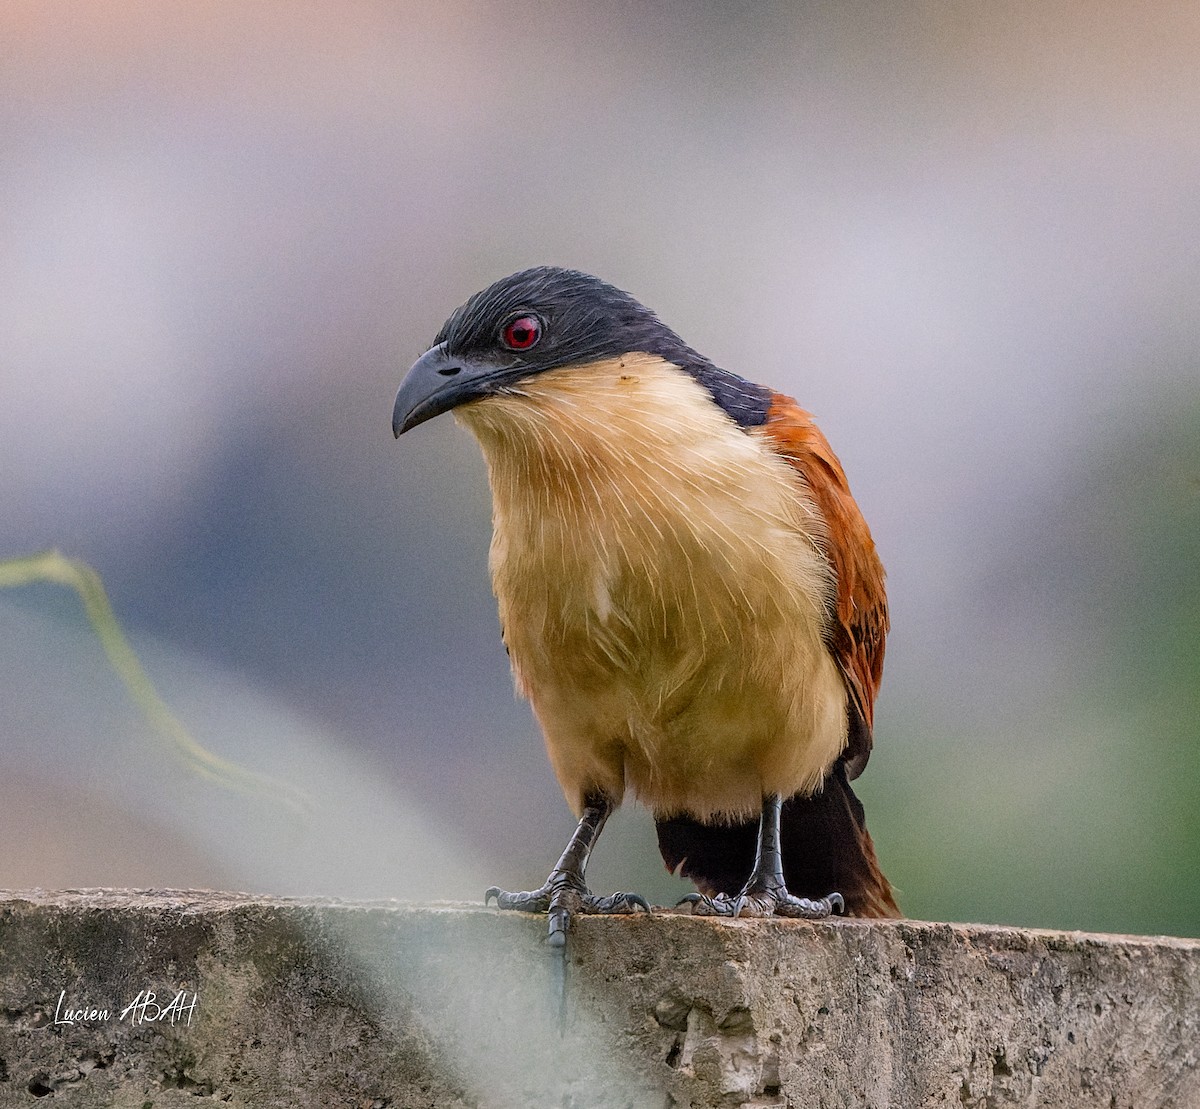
(613, 416)
(620, 437)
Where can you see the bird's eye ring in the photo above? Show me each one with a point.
(521, 333)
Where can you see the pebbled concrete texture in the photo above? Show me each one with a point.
(324, 1003)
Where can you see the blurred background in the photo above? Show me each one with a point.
(964, 236)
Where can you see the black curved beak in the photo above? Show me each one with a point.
(439, 382)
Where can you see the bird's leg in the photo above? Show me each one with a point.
(565, 891)
(765, 892)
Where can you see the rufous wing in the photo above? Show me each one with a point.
(859, 624)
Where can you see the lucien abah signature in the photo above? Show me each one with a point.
(146, 1008)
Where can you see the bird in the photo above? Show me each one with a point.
(690, 598)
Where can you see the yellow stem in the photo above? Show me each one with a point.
(56, 568)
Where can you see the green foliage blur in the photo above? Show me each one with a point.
(1091, 821)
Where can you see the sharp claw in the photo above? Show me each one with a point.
(837, 904)
(638, 901)
(492, 891)
(689, 899)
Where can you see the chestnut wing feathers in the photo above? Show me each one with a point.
(859, 624)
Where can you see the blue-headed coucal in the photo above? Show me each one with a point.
(690, 597)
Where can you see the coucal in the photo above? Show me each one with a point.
(690, 597)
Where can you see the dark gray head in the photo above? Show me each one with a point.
(543, 318)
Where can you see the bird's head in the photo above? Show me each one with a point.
(536, 320)
(532, 321)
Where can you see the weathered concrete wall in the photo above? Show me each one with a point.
(325, 1003)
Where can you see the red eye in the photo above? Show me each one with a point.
(522, 333)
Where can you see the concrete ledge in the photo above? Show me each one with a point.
(264, 1002)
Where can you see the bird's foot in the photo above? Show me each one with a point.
(765, 898)
(562, 895)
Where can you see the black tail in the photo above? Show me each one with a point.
(825, 844)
